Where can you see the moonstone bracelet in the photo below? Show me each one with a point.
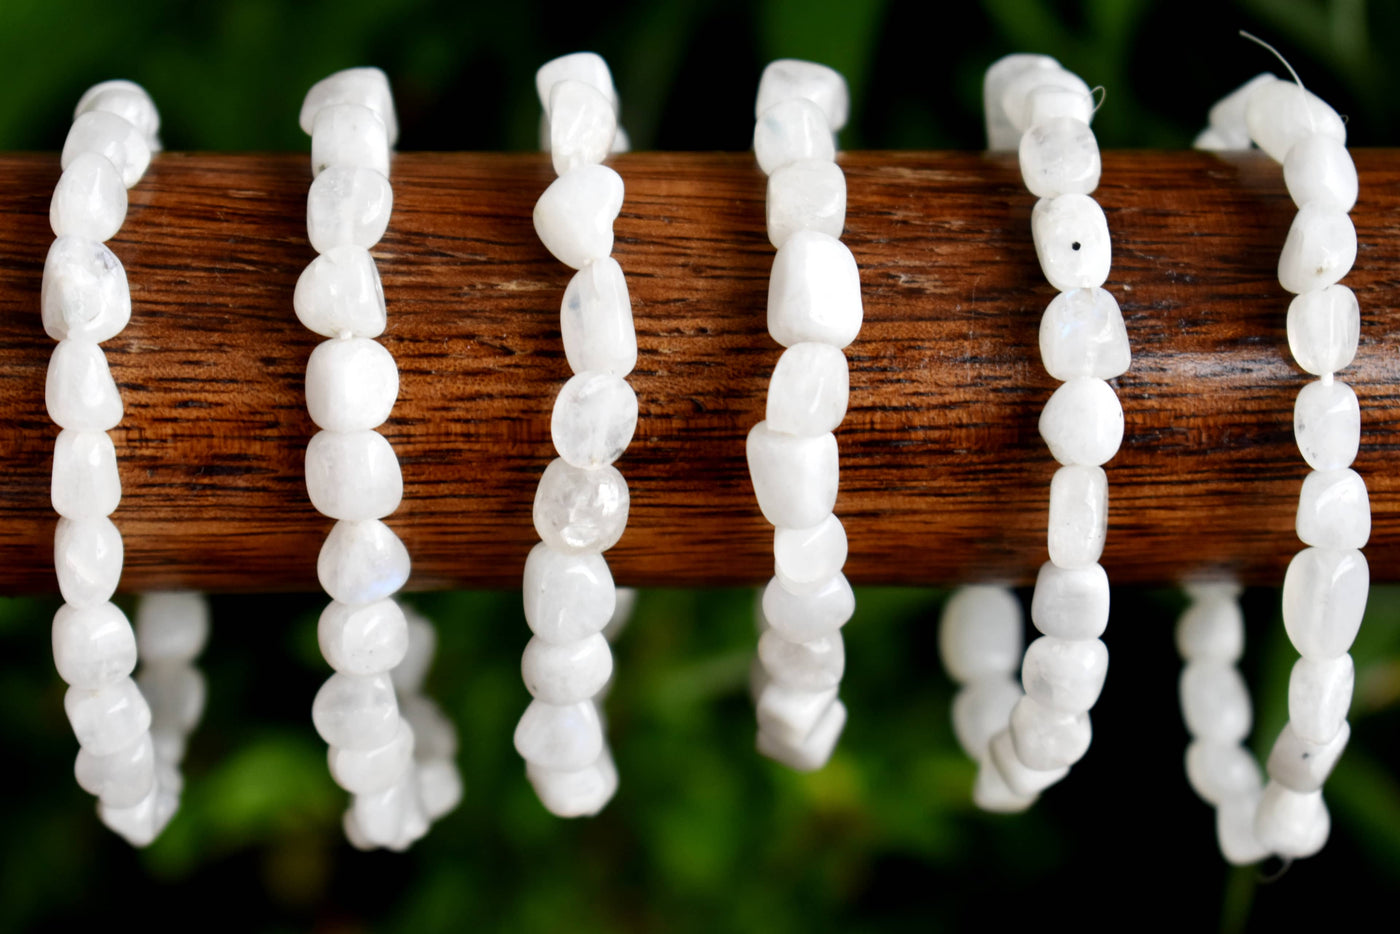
(352, 474)
(814, 310)
(1325, 588)
(1035, 104)
(581, 503)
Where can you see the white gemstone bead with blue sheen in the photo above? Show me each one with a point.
(1070, 603)
(575, 792)
(575, 214)
(356, 711)
(1016, 96)
(1001, 134)
(1290, 823)
(1303, 766)
(582, 124)
(595, 320)
(789, 715)
(1320, 249)
(586, 67)
(795, 479)
(805, 559)
(1065, 674)
(353, 475)
(363, 640)
(1215, 702)
(815, 749)
(362, 562)
(171, 626)
(569, 673)
(1045, 738)
(87, 558)
(981, 709)
(89, 200)
(349, 135)
(567, 596)
(93, 645)
(1334, 510)
(348, 206)
(108, 135)
(815, 665)
(1078, 524)
(561, 737)
(127, 100)
(439, 787)
(351, 384)
(814, 291)
(809, 390)
(1082, 422)
(789, 131)
(1072, 241)
(979, 633)
(594, 417)
(122, 778)
(79, 391)
(85, 481)
(1221, 771)
(789, 79)
(1324, 328)
(1324, 597)
(1060, 157)
(84, 295)
(809, 194)
(1234, 830)
(1319, 170)
(1319, 696)
(1019, 777)
(807, 616)
(1211, 630)
(340, 293)
(1280, 114)
(366, 771)
(368, 87)
(1082, 334)
(108, 718)
(1227, 118)
(1327, 424)
(580, 511)
(991, 793)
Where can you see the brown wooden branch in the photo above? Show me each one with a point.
(943, 475)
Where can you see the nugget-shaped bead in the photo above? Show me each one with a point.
(363, 640)
(107, 718)
(569, 673)
(979, 633)
(1020, 778)
(587, 67)
(171, 626)
(1327, 425)
(366, 771)
(1234, 830)
(1082, 334)
(1226, 116)
(1280, 114)
(582, 124)
(594, 417)
(1060, 157)
(84, 294)
(574, 217)
(804, 559)
(815, 665)
(408, 675)
(1049, 102)
(1070, 603)
(349, 135)
(1320, 249)
(562, 737)
(1082, 423)
(1071, 241)
(351, 384)
(1078, 522)
(1220, 771)
(580, 511)
(1319, 170)
(89, 200)
(79, 391)
(991, 793)
(1001, 133)
(176, 694)
(1319, 696)
(1334, 510)
(814, 291)
(809, 390)
(789, 79)
(1215, 702)
(368, 87)
(1303, 766)
(795, 479)
(127, 100)
(356, 711)
(1063, 674)
(85, 481)
(808, 616)
(596, 320)
(1292, 824)
(1324, 597)
(87, 558)
(790, 715)
(348, 206)
(789, 131)
(439, 787)
(108, 135)
(93, 645)
(122, 778)
(1211, 630)
(981, 710)
(340, 293)
(815, 749)
(362, 562)
(567, 597)
(575, 792)
(1016, 96)
(806, 195)
(353, 475)
(1324, 327)
(1046, 738)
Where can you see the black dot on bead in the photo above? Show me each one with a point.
(1074, 246)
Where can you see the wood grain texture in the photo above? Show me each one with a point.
(943, 475)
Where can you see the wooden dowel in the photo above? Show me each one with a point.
(943, 475)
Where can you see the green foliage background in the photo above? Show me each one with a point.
(704, 835)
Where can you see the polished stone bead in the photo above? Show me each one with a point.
(127, 100)
(789, 131)
(85, 481)
(979, 633)
(1220, 771)
(408, 675)
(356, 711)
(805, 559)
(1070, 603)
(806, 195)
(586, 67)
(569, 673)
(122, 778)
(108, 718)
(112, 137)
(815, 750)
(981, 710)
(368, 87)
(809, 390)
(1319, 696)
(1227, 115)
(1046, 739)
(1078, 524)
(79, 391)
(1066, 675)
(1016, 95)
(1327, 424)
(439, 787)
(561, 737)
(1303, 766)
(1292, 824)
(434, 736)
(1002, 135)
(353, 475)
(991, 793)
(815, 665)
(1280, 114)
(594, 417)
(596, 320)
(366, 771)
(348, 206)
(1319, 170)
(1082, 334)
(1050, 102)
(340, 294)
(93, 646)
(171, 625)
(141, 823)
(87, 558)
(1060, 157)
(363, 640)
(1324, 597)
(89, 201)
(791, 715)
(580, 511)
(1071, 241)
(1324, 328)
(1211, 630)
(176, 693)
(575, 792)
(788, 79)
(1082, 423)
(582, 124)
(1234, 830)
(812, 615)
(567, 596)
(1334, 510)
(575, 214)
(814, 291)
(794, 479)
(362, 562)
(387, 818)
(1319, 251)
(351, 384)
(84, 294)
(1215, 702)
(349, 135)
(1020, 778)
(1212, 140)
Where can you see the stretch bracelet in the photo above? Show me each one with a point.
(1083, 342)
(814, 310)
(580, 508)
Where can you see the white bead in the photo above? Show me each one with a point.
(176, 693)
(363, 640)
(1324, 327)
(586, 67)
(79, 391)
(1082, 334)
(788, 79)
(368, 87)
(1215, 702)
(362, 562)
(1048, 739)
(127, 100)
(1078, 523)
(577, 792)
(89, 200)
(1063, 674)
(574, 217)
(1213, 140)
(84, 294)
(806, 195)
(85, 480)
(171, 626)
(791, 130)
(596, 320)
(1071, 241)
(1219, 772)
(1211, 588)
(139, 824)
(815, 750)
(622, 613)
(1050, 102)
(1082, 422)
(567, 596)
(366, 771)
(814, 291)
(982, 709)
(1280, 113)
(1324, 597)
(1319, 696)
(1016, 96)
(582, 124)
(791, 715)
(1060, 157)
(356, 711)
(1070, 603)
(439, 787)
(809, 390)
(580, 511)
(434, 737)
(1318, 169)
(594, 417)
(1001, 134)
(991, 793)
(564, 738)
(804, 559)
(408, 675)
(93, 645)
(808, 616)
(339, 293)
(1327, 425)
(1234, 830)
(351, 384)
(1227, 115)
(87, 557)
(122, 778)
(979, 633)
(108, 135)
(1334, 510)
(566, 674)
(1211, 630)
(108, 718)
(1020, 778)
(815, 665)
(1302, 766)
(1291, 824)
(348, 206)
(353, 475)
(349, 135)
(794, 479)
(1319, 251)
(382, 816)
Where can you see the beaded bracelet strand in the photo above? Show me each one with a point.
(814, 310)
(580, 508)
(1083, 342)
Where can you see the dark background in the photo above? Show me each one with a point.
(704, 835)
